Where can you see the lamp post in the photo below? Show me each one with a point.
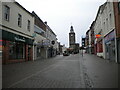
(83, 44)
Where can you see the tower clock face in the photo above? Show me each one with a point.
(71, 34)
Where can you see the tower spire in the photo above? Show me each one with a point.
(71, 23)
(71, 29)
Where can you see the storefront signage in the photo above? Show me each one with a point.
(19, 39)
(53, 42)
(14, 37)
(42, 43)
(98, 36)
(34, 34)
(110, 36)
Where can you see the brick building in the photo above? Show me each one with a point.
(116, 6)
(40, 41)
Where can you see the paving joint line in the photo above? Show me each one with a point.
(30, 76)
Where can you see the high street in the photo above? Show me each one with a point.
(51, 53)
(72, 71)
(58, 72)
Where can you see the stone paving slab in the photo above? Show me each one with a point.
(100, 72)
(60, 72)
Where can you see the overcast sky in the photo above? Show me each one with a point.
(61, 14)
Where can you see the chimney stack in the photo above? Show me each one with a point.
(46, 22)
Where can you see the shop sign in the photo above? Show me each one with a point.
(19, 39)
(34, 34)
(110, 36)
(46, 42)
(98, 36)
(43, 43)
(53, 42)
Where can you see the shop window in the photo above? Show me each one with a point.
(16, 50)
(19, 20)
(0, 46)
(6, 13)
(99, 47)
(106, 48)
(38, 52)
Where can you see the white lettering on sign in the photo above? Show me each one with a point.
(18, 39)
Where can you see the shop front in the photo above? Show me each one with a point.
(41, 49)
(95, 47)
(110, 46)
(99, 47)
(16, 48)
(37, 51)
(50, 52)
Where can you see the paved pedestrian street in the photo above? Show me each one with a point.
(57, 72)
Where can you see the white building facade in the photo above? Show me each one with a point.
(17, 29)
(98, 30)
(109, 32)
(53, 45)
(105, 26)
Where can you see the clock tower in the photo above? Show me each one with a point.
(71, 37)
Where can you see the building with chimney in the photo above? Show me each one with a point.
(40, 42)
(52, 39)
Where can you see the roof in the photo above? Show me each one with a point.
(35, 15)
(23, 8)
(92, 24)
(50, 30)
(87, 31)
(100, 8)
